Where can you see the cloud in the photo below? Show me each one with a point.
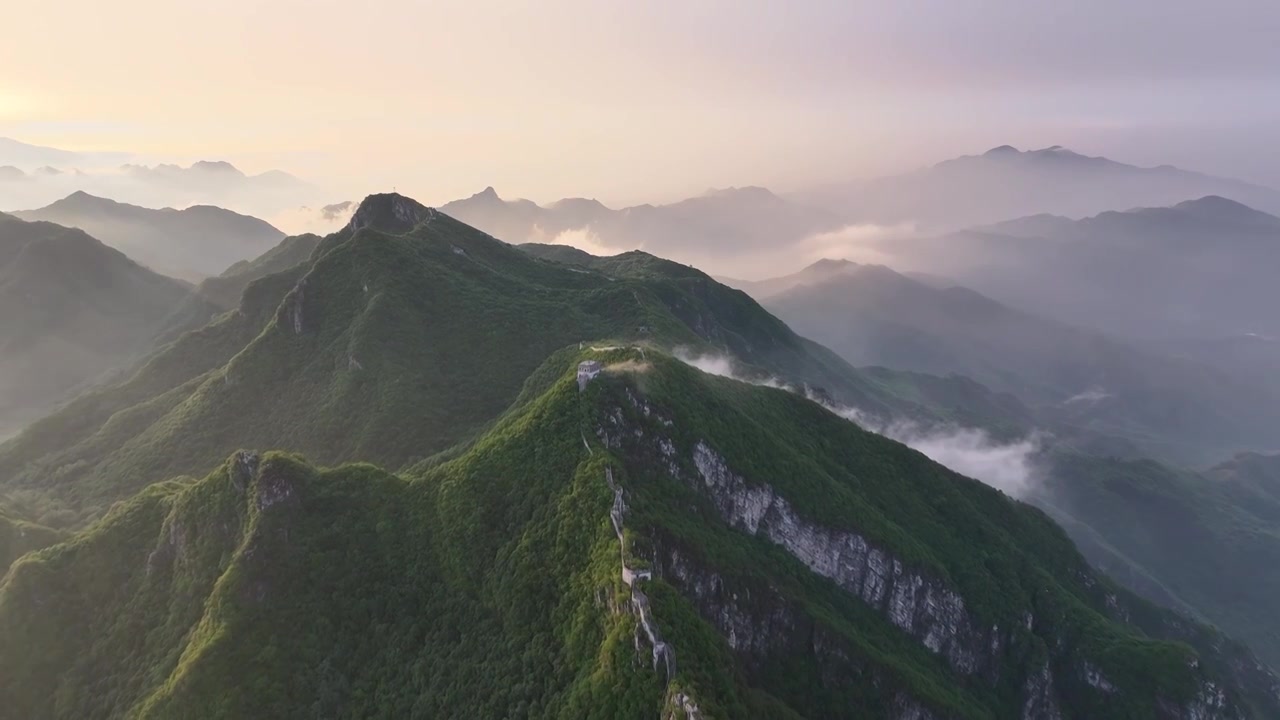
(721, 365)
(861, 242)
(1090, 396)
(584, 239)
(338, 212)
(1007, 466)
(725, 366)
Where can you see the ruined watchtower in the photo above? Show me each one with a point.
(587, 371)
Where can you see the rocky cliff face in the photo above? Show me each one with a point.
(920, 605)
(677, 704)
(389, 212)
(758, 623)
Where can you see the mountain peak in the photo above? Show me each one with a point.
(1002, 150)
(578, 202)
(830, 265)
(216, 166)
(389, 212)
(750, 192)
(81, 200)
(1214, 203)
(1216, 207)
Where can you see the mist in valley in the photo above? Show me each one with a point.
(320, 342)
(1006, 466)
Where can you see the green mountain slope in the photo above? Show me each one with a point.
(1206, 544)
(405, 334)
(1208, 547)
(19, 536)
(660, 542)
(71, 309)
(218, 294)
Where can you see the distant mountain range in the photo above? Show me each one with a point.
(1199, 269)
(32, 157)
(579, 524)
(193, 243)
(1004, 182)
(705, 230)
(752, 230)
(71, 309)
(323, 327)
(33, 176)
(1196, 542)
(1073, 377)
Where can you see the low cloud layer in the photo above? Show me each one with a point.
(584, 239)
(972, 452)
(863, 243)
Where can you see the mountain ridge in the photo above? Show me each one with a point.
(392, 347)
(194, 242)
(1172, 408)
(72, 309)
(1005, 183)
(724, 612)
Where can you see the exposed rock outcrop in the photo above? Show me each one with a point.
(915, 602)
(292, 307)
(390, 212)
(918, 602)
(663, 656)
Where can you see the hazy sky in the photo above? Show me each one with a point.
(639, 101)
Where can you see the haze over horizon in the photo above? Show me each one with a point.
(603, 359)
(576, 98)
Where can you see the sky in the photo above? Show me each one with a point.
(635, 102)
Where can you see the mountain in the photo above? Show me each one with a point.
(43, 175)
(817, 273)
(1071, 377)
(226, 289)
(19, 536)
(25, 155)
(513, 221)
(699, 230)
(71, 309)
(1004, 182)
(193, 243)
(1205, 543)
(1198, 269)
(213, 176)
(401, 336)
(221, 293)
(632, 538)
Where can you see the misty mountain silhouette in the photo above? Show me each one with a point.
(738, 219)
(652, 538)
(1071, 376)
(71, 309)
(192, 243)
(1198, 269)
(1005, 183)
